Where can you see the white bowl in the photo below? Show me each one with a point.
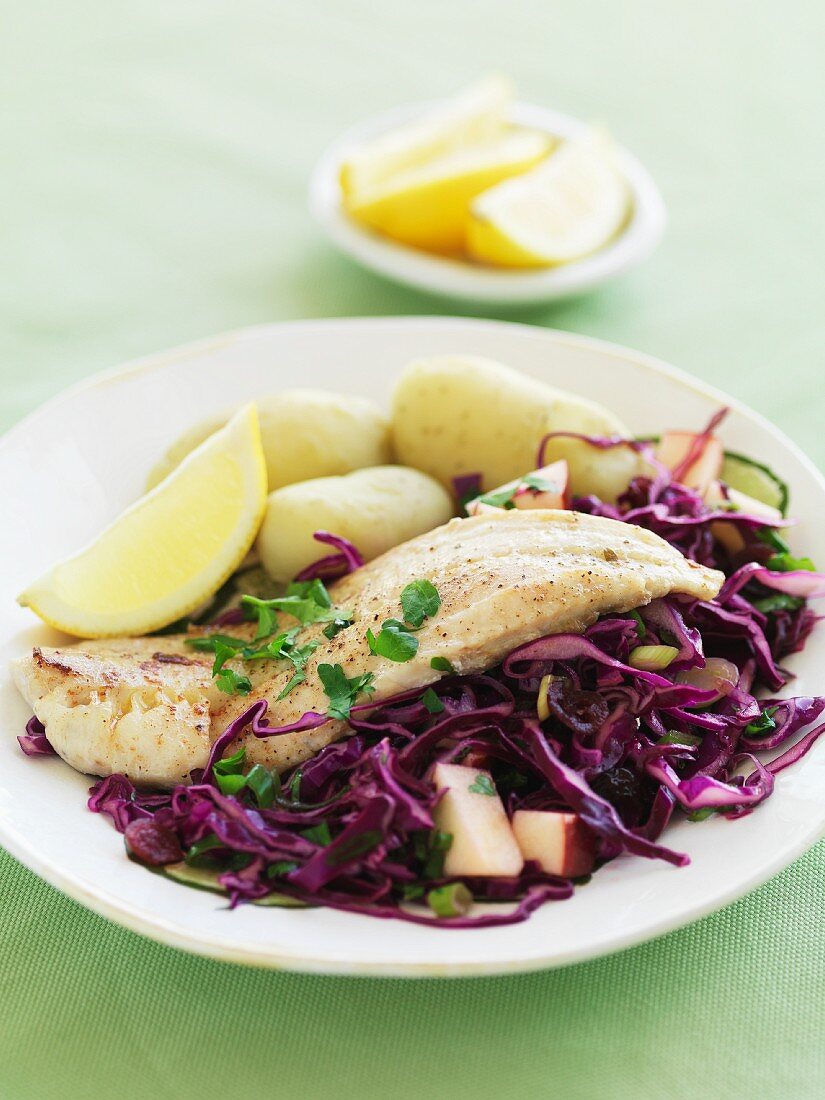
(73, 464)
(460, 279)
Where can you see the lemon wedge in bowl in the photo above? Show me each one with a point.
(427, 206)
(475, 114)
(564, 209)
(169, 551)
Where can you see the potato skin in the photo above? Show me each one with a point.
(461, 414)
(375, 509)
(305, 434)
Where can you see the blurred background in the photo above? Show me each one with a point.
(155, 158)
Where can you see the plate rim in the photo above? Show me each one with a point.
(173, 933)
(458, 279)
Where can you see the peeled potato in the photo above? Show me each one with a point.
(375, 509)
(305, 434)
(464, 414)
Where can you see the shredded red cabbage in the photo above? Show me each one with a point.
(34, 741)
(467, 486)
(623, 748)
(346, 560)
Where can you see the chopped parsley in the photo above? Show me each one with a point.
(395, 641)
(419, 601)
(505, 498)
(441, 664)
(342, 690)
(297, 677)
(499, 498)
(335, 627)
(540, 484)
(307, 601)
(432, 702)
(232, 682)
(763, 724)
(482, 784)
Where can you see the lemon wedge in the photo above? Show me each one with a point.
(564, 209)
(170, 550)
(476, 114)
(427, 207)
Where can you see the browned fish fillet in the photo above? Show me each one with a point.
(147, 707)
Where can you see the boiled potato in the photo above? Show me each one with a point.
(305, 434)
(461, 414)
(375, 509)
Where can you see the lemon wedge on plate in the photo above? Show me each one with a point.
(170, 550)
(427, 206)
(476, 114)
(564, 209)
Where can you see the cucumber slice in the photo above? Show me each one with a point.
(756, 480)
(282, 901)
(202, 878)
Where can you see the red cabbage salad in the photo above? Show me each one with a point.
(576, 749)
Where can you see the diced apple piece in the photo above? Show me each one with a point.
(478, 508)
(472, 812)
(559, 842)
(674, 448)
(557, 478)
(521, 494)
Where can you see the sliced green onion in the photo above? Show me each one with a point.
(541, 703)
(641, 629)
(434, 848)
(787, 563)
(200, 847)
(452, 900)
(673, 737)
(264, 784)
(703, 814)
(652, 658)
(230, 784)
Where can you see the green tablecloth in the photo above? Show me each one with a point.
(155, 158)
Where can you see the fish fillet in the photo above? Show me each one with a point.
(148, 708)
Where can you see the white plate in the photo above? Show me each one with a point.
(72, 465)
(457, 279)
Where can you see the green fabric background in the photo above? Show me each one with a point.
(154, 166)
